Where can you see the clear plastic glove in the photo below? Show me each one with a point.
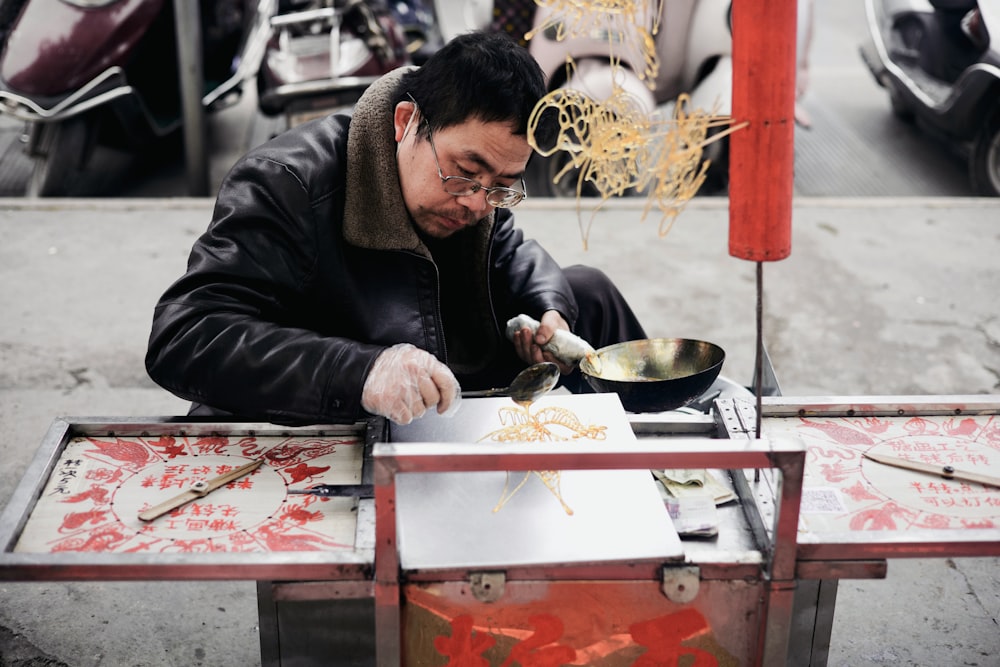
(406, 381)
(565, 346)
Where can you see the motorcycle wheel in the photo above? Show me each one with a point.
(542, 171)
(717, 176)
(984, 163)
(60, 153)
(899, 107)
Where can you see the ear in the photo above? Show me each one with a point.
(403, 116)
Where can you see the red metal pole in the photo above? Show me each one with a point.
(761, 170)
(762, 154)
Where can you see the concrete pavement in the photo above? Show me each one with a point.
(879, 297)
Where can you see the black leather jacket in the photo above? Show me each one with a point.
(279, 316)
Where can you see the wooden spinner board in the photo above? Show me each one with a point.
(100, 483)
(849, 498)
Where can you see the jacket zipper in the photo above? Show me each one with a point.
(438, 317)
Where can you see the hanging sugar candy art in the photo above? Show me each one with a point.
(624, 22)
(677, 169)
(617, 145)
(548, 424)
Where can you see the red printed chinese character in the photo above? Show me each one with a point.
(663, 636)
(200, 509)
(463, 648)
(175, 476)
(535, 650)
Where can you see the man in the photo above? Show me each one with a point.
(368, 264)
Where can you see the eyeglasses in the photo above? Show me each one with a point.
(460, 186)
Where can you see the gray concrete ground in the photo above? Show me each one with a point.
(879, 297)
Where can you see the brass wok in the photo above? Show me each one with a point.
(654, 374)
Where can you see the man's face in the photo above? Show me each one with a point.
(489, 153)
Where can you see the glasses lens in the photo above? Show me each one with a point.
(503, 197)
(460, 186)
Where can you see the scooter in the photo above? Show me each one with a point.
(940, 63)
(84, 74)
(323, 54)
(693, 47)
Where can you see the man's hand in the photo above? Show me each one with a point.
(406, 381)
(529, 344)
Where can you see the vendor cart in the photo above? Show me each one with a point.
(336, 572)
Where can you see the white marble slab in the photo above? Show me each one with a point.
(451, 520)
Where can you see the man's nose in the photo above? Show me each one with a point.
(476, 202)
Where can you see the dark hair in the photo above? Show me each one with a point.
(482, 75)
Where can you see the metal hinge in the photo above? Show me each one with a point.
(680, 584)
(487, 586)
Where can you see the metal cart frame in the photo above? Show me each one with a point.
(759, 538)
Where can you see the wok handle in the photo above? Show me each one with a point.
(702, 404)
(565, 346)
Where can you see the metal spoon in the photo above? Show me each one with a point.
(530, 384)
